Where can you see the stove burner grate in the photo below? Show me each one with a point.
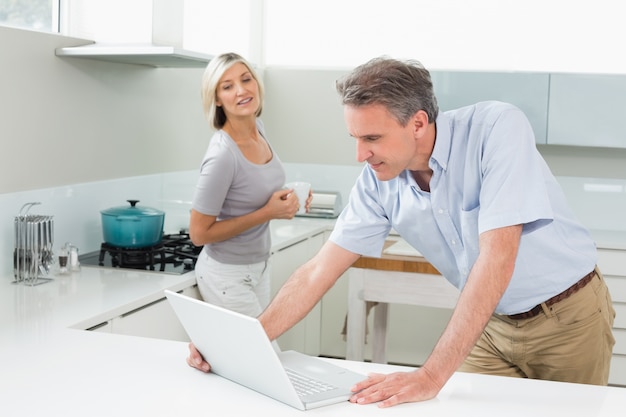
(175, 249)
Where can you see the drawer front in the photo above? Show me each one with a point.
(617, 376)
(620, 342)
(620, 316)
(612, 262)
(617, 287)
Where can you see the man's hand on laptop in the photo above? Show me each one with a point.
(195, 359)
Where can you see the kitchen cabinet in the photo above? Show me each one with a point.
(612, 263)
(304, 336)
(587, 110)
(528, 91)
(156, 319)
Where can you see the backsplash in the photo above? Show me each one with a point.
(76, 208)
(600, 204)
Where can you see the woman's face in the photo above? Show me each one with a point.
(238, 92)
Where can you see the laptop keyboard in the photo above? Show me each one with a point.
(305, 385)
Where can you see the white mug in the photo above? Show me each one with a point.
(302, 192)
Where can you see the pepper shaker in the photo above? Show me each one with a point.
(63, 258)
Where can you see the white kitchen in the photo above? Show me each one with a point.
(85, 133)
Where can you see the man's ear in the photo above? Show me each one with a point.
(420, 123)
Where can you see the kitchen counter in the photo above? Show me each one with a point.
(78, 373)
(72, 372)
(84, 299)
(51, 366)
(288, 232)
(609, 239)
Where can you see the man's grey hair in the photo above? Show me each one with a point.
(403, 87)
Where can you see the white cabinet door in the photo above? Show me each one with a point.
(528, 91)
(618, 371)
(612, 263)
(156, 320)
(587, 110)
(304, 336)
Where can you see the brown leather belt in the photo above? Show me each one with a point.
(559, 297)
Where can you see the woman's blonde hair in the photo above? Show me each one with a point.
(210, 80)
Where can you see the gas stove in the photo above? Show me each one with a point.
(174, 254)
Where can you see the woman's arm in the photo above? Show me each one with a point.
(203, 229)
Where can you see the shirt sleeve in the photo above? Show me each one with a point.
(216, 176)
(513, 182)
(362, 226)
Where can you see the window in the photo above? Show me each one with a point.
(499, 35)
(107, 21)
(216, 26)
(530, 35)
(41, 15)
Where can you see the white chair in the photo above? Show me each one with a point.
(385, 287)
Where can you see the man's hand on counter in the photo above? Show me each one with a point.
(395, 388)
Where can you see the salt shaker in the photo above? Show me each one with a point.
(74, 264)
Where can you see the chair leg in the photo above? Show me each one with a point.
(379, 337)
(355, 334)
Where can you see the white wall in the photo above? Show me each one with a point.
(68, 120)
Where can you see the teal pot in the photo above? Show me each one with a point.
(132, 226)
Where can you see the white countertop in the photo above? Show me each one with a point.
(50, 367)
(609, 239)
(87, 298)
(288, 232)
(79, 373)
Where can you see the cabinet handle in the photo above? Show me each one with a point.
(97, 326)
(293, 244)
(128, 313)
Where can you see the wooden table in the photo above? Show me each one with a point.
(400, 263)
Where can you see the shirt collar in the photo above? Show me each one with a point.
(443, 139)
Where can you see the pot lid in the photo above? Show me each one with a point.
(132, 210)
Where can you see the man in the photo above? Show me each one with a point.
(468, 189)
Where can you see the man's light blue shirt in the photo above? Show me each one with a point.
(487, 174)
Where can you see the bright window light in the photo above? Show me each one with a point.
(40, 15)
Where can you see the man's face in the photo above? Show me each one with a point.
(388, 147)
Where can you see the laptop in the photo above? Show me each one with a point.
(238, 349)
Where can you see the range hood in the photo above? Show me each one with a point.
(166, 49)
(140, 54)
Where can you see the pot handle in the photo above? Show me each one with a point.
(127, 219)
(133, 203)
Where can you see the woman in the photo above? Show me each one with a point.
(239, 191)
